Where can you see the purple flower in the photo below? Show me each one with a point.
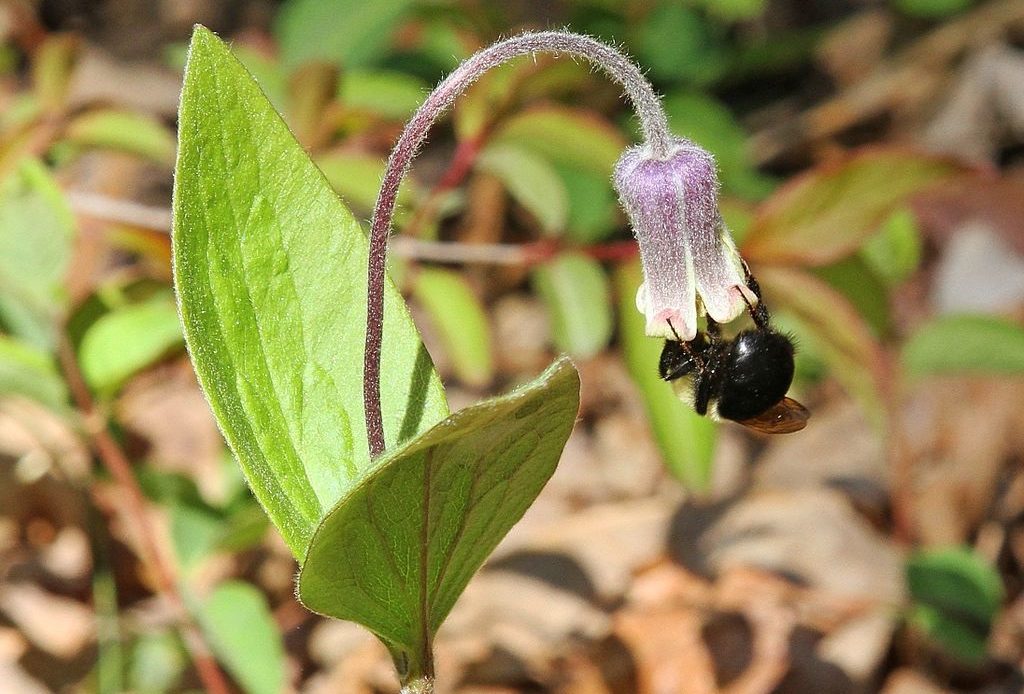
(690, 263)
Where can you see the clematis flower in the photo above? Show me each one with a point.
(690, 263)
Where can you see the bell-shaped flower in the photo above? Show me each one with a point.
(690, 263)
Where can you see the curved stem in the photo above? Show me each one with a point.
(645, 101)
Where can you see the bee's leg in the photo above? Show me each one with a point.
(687, 347)
(759, 313)
(714, 328)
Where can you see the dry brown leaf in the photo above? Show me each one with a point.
(58, 625)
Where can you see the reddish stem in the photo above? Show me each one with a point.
(117, 464)
(653, 122)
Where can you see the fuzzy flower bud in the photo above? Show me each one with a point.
(686, 250)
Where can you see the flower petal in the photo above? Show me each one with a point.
(651, 190)
(719, 272)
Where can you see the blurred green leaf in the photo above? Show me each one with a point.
(531, 181)
(30, 372)
(52, 66)
(405, 542)
(569, 137)
(894, 252)
(127, 131)
(356, 176)
(576, 293)
(126, 341)
(392, 95)
(351, 33)
(157, 665)
(955, 597)
(36, 233)
(676, 43)
(270, 270)
(827, 213)
(734, 10)
(242, 633)
(709, 123)
(460, 321)
(195, 531)
(110, 656)
(593, 210)
(857, 282)
(837, 330)
(931, 9)
(686, 439)
(966, 344)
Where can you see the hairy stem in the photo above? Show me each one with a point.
(646, 103)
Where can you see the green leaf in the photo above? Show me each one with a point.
(677, 43)
(827, 213)
(127, 340)
(195, 532)
(389, 94)
(460, 321)
(931, 9)
(894, 252)
(242, 633)
(36, 232)
(30, 372)
(270, 270)
(571, 137)
(686, 439)
(396, 553)
(351, 33)
(956, 595)
(734, 10)
(531, 181)
(856, 280)
(157, 664)
(575, 291)
(968, 344)
(127, 131)
(710, 124)
(593, 210)
(836, 330)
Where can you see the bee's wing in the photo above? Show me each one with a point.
(785, 417)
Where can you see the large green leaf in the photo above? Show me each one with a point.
(396, 553)
(270, 270)
(686, 439)
(966, 344)
(827, 213)
(36, 230)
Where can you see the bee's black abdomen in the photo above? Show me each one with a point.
(759, 370)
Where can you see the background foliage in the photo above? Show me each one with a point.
(870, 166)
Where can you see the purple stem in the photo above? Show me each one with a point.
(645, 101)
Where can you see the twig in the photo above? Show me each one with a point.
(117, 464)
(105, 208)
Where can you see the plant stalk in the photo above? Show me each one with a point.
(653, 123)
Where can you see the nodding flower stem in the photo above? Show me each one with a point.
(646, 103)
